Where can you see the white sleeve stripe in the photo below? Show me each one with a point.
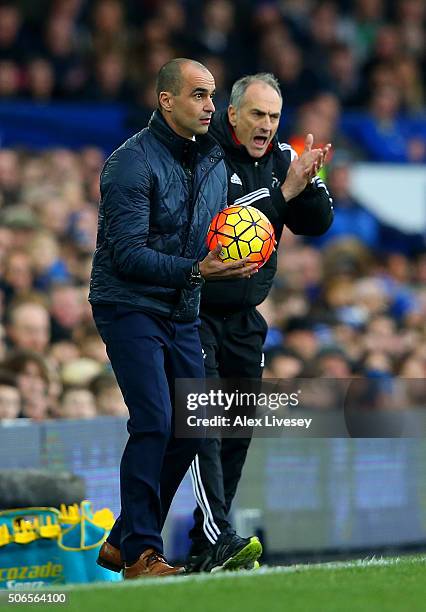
(286, 147)
(259, 193)
(249, 202)
(319, 184)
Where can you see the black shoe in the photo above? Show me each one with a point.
(232, 552)
(198, 561)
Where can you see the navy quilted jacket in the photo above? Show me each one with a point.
(153, 219)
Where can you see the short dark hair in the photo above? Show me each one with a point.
(170, 75)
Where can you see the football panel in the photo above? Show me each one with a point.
(228, 230)
(262, 233)
(255, 214)
(269, 250)
(256, 245)
(233, 251)
(265, 249)
(221, 220)
(224, 255)
(241, 227)
(211, 240)
(245, 214)
(244, 248)
(225, 240)
(248, 235)
(232, 219)
(263, 219)
(256, 258)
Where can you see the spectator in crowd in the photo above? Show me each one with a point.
(384, 136)
(410, 15)
(17, 274)
(60, 50)
(219, 36)
(360, 26)
(344, 75)
(410, 83)
(66, 311)
(109, 31)
(77, 403)
(10, 177)
(299, 336)
(283, 363)
(29, 326)
(10, 398)
(90, 344)
(387, 48)
(9, 80)
(109, 400)
(61, 352)
(109, 83)
(12, 40)
(332, 362)
(320, 116)
(351, 218)
(47, 264)
(32, 376)
(40, 81)
(298, 82)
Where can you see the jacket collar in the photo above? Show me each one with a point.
(182, 148)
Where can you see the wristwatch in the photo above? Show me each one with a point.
(195, 278)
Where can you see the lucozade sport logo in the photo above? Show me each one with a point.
(32, 575)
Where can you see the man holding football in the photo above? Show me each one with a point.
(159, 191)
(269, 176)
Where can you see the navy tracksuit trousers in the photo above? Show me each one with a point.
(147, 354)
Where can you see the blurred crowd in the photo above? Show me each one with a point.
(52, 361)
(366, 55)
(350, 304)
(353, 305)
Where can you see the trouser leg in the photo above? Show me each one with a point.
(233, 349)
(206, 471)
(138, 346)
(241, 358)
(207, 481)
(185, 360)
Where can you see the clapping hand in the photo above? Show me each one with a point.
(304, 168)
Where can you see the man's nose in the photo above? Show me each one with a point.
(209, 106)
(266, 123)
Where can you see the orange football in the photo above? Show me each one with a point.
(243, 231)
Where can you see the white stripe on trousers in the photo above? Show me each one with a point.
(210, 528)
(209, 533)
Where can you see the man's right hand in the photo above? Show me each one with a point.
(212, 267)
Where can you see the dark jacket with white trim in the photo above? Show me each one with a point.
(159, 193)
(257, 182)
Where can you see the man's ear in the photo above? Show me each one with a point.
(165, 100)
(232, 115)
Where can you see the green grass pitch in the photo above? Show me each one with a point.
(375, 585)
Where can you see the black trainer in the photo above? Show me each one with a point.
(232, 552)
(198, 561)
